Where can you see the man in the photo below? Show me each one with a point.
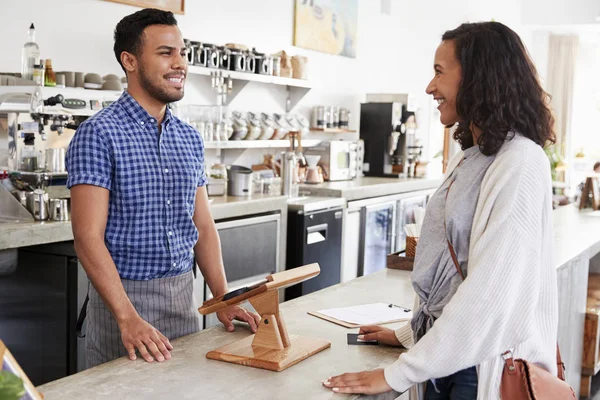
(139, 204)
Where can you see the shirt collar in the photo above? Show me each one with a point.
(137, 112)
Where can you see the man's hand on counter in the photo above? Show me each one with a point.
(138, 334)
(366, 382)
(227, 315)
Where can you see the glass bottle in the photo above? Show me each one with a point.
(49, 75)
(30, 55)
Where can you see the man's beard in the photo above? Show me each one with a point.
(156, 91)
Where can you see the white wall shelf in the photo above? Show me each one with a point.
(257, 144)
(297, 88)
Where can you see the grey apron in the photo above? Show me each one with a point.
(166, 303)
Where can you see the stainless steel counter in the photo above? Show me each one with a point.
(366, 187)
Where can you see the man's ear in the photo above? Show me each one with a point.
(129, 61)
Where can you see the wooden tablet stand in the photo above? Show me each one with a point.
(271, 347)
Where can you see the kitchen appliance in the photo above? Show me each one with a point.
(338, 159)
(33, 118)
(41, 299)
(58, 209)
(239, 181)
(251, 251)
(388, 131)
(314, 235)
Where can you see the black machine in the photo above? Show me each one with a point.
(388, 131)
(314, 236)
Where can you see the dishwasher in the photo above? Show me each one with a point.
(250, 248)
(314, 235)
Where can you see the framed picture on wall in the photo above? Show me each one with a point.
(329, 26)
(175, 6)
(14, 383)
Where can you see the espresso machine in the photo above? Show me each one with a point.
(388, 129)
(36, 126)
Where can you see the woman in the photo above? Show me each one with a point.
(494, 210)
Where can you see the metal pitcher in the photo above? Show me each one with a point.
(59, 209)
(55, 160)
(37, 204)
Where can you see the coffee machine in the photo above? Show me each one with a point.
(36, 125)
(388, 130)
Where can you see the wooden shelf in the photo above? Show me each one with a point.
(332, 130)
(257, 144)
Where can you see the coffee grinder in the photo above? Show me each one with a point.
(388, 131)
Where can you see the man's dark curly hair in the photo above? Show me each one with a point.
(129, 33)
(500, 91)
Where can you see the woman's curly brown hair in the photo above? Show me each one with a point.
(500, 91)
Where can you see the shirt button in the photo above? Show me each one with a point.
(170, 233)
(141, 122)
(152, 120)
(166, 170)
(174, 264)
(168, 202)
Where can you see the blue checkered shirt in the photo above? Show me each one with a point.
(152, 178)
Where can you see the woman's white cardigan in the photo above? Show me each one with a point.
(509, 299)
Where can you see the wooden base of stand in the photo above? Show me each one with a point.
(242, 352)
(271, 347)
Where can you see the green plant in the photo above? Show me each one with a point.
(554, 158)
(11, 386)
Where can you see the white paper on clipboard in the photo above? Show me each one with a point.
(369, 314)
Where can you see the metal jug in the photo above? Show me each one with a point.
(37, 204)
(59, 210)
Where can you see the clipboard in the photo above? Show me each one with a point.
(8, 362)
(354, 325)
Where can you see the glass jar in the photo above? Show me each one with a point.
(49, 75)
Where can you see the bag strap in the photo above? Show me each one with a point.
(507, 355)
(450, 247)
(560, 364)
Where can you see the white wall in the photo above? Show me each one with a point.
(394, 52)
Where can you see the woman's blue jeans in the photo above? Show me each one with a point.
(461, 385)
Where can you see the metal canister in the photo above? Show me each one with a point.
(288, 173)
(344, 118)
(318, 117)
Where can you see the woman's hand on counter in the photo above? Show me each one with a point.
(366, 382)
(137, 333)
(227, 315)
(379, 333)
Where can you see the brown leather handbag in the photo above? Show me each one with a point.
(522, 380)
